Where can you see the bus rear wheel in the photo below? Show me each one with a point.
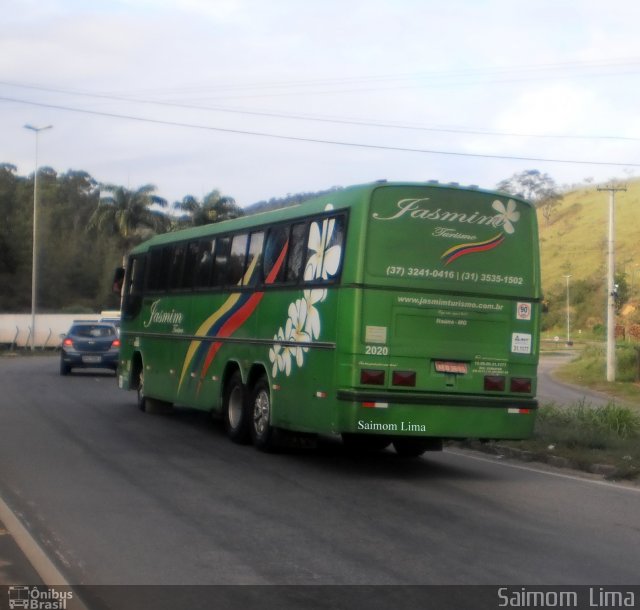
(415, 446)
(263, 433)
(236, 410)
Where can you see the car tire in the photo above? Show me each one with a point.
(65, 369)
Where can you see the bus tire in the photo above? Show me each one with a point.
(142, 399)
(237, 415)
(415, 446)
(263, 433)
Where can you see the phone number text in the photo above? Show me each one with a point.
(464, 276)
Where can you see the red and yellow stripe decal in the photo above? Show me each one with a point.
(233, 313)
(463, 249)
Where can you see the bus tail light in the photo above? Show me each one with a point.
(371, 377)
(521, 384)
(404, 378)
(494, 383)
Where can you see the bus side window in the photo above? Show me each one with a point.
(134, 284)
(159, 261)
(297, 252)
(275, 253)
(175, 266)
(221, 266)
(190, 265)
(324, 249)
(254, 256)
(136, 275)
(204, 263)
(332, 259)
(237, 258)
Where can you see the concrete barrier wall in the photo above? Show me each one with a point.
(16, 328)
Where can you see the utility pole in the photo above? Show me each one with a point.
(569, 343)
(611, 289)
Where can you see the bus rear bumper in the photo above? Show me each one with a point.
(436, 415)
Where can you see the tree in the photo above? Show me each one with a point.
(128, 215)
(213, 208)
(535, 186)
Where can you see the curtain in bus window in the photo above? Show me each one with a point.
(133, 289)
(297, 252)
(190, 260)
(221, 266)
(253, 268)
(159, 260)
(276, 241)
(237, 259)
(175, 266)
(204, 263)
(137, 276)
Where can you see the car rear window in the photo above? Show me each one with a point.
(93, 331)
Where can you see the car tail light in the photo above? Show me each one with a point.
(494, 383)
(521, 384)
(404, 378)
(371, 377)
(68, 343)
(116, 343)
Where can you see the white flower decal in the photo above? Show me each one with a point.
(303, 325)
(506, 216)
(284, 358)
(324, 260)
(296, 329)
(275, 356)
(312, 297)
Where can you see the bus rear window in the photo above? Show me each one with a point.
(452, 239)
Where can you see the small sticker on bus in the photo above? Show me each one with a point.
(521, 343)
(523, 311)
(375, 334)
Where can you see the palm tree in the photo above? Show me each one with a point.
(128, 215)
(213, 208)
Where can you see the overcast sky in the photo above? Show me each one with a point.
(263, 98)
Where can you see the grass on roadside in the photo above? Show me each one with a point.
(585, 435)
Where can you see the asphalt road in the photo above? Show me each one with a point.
(550, 390)
(117, 496)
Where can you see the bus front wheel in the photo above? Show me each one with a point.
(142, 401)
(262, 432)
(236, 410)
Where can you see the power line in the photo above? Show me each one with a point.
(315, 118)
(315, 140)
(422, 76)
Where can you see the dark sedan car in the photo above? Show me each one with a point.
(90, 345)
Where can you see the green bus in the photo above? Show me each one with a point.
(388, 313)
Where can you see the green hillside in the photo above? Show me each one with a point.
(574, 242)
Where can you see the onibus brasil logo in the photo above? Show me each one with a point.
(38, 598)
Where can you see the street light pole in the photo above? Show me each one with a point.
(568, 315)
(34, 256)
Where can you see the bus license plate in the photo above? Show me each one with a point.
(443, 366)
(91, 359)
